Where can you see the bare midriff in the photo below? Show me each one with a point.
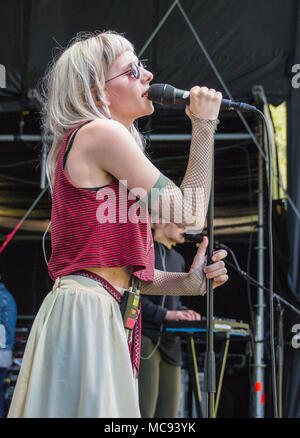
(115, 276)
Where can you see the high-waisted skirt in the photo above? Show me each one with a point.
(76, 362)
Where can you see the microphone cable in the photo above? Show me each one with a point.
(162, 253)
(252, 280)
(270, 289)
(272, 295)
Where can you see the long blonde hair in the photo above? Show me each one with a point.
(66, 88)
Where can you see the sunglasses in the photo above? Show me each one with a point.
(134, 70)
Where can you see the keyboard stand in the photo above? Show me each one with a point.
(189, 330)
(193, 369)
(225, 354)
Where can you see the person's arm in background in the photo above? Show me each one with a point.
(152, 311)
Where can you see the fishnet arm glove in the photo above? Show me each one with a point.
(188, 203)
(175, 283)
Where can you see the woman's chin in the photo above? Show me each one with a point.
(146, 112)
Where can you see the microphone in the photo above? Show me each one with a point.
(193, 237)
(166, 94)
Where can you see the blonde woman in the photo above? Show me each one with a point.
(82, 355)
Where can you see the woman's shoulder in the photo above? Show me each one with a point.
(103, 141)
(104, 127)
(106, 135)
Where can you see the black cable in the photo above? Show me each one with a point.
(279, 299)
(19, 163)
(252, 356)
(251, 279)
(240, 146)
(271, 295)
(271, 266)
(162, 252)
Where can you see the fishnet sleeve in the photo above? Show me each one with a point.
(175, 283)
(188, 203)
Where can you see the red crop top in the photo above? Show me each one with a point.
(79, 239)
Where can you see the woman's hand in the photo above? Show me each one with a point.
(216, 270)
(204, 103)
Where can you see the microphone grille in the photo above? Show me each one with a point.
(161, 93)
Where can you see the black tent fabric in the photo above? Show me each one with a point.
(293, 161)
(236, 45)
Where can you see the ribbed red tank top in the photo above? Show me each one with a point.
(80, 241)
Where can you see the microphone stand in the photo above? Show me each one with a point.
(210, 365)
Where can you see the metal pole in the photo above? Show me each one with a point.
(280, 353)
(43, 180)
(153, 137)
(210, 362)
(11, 235)
(157, 28)
(259, 366)
(16, 138)
(46, 139)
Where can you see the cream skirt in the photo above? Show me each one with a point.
(76, 363)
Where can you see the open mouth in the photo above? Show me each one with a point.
(145, 95)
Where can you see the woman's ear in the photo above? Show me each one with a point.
(96, 98)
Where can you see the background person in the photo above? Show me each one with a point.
(161, 359)
(8, 319)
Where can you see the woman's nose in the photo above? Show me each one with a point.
(147, 76)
